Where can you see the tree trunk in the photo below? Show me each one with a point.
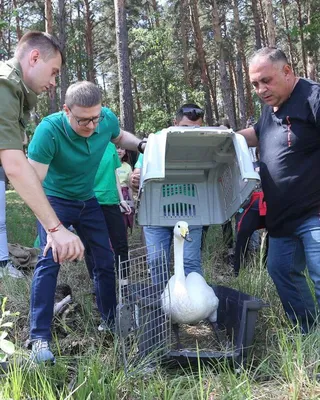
(224, 80)
(2, 55)
(263, 25)
(79, 67)
(286, 24)
(208, 108)
(49, 29)
(194, 17)
(125, 91)
(239, 62)
(165, 85)
(301, 34)
(48, 13)
(214, 88)
(257, 21)
(250, 106)
(104, 97)
(271, 29)
(89, 41)
(232, 77)
(183, 7)
(156, 11)
(137, 96)
(18, 22)
(63, 39)
(312, 44)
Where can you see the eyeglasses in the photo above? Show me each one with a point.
(193, 113)
(86, 121)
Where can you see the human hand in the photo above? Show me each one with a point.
(65, 245)
(125, 206)
(135, 180)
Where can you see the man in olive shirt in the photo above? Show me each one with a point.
(36, 63)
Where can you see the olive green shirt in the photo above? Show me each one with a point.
(17, 100)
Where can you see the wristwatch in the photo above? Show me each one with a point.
(139, 147)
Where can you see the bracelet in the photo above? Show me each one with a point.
(55, 229)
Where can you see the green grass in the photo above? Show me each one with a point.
(282, 364)
(21, 222)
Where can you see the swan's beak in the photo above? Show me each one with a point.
(185, 234)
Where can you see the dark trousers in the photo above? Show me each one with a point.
(118, 238)
(87, 219)
(250, 222)
(227, 234)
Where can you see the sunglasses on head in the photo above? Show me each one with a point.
(192, 112)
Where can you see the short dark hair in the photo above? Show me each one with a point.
(47, 44)
(272, 53)
(192, 116)
(83, 94)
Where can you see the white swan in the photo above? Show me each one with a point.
(187, 299)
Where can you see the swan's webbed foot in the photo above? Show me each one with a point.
(175, 328)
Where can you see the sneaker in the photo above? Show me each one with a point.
(107, 327)
(10, 270)
(41, 352)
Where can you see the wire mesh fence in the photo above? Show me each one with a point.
(143, 329)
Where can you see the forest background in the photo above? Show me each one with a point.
(151, 56)
(148, 58)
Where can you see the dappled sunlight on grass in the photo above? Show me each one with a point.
(21, 221)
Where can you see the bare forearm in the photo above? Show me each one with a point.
(39, 168)
(26, 182)
(250, 136)
(127, 140)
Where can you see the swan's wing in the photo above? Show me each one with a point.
(201, 294)
(196, 283)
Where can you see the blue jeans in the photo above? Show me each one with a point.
(88, 220)
(160, 237)
(287, 259)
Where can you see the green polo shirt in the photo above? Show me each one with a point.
(139, 161)
(73, 160)
(17, 100)
(105, 183)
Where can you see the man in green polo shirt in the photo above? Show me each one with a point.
(65, 151)
(36, 63)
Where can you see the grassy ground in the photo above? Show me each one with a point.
(282, 364)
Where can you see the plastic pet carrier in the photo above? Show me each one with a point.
(237, 315)
(145, 331)
(199, 175)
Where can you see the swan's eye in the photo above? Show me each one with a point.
(179, 226)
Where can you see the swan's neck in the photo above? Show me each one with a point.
(178, 259)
